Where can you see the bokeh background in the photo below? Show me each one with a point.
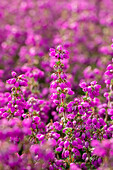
(28, 28)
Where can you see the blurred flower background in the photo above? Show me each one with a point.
(28, 28)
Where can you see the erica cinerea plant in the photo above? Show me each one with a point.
(79, 122)
(60, 85)
(73, 141)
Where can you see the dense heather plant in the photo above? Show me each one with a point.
(61, 133)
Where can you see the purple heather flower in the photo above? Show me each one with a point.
(13, 74)
(61, 109)
(66, 144)
(73, 166)
(59, 149)
(66, 153)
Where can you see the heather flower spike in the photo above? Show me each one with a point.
(60, 82)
